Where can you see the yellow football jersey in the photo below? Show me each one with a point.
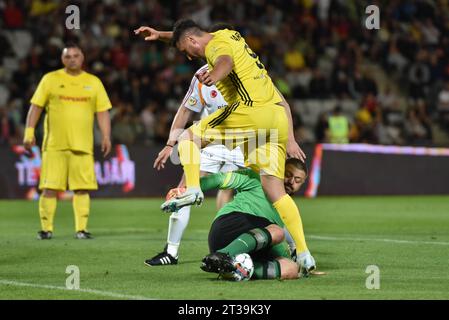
(249, 81)
(70, 103)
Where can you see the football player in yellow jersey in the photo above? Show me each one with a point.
(71, 98)
(257, 117)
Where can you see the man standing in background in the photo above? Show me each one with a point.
(71, 97)
(338, 127)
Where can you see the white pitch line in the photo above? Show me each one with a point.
(91, 291)
(378, 240)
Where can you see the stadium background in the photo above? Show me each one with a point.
(392, 85)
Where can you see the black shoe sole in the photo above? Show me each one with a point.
(215, 264)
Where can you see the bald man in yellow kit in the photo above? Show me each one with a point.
(71, 98)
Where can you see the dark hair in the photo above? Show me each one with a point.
(71, 45)
(298, 164)
(183, 26)
(338, 109)
(221, 26)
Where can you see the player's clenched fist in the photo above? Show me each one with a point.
(206, 78)
(28, 139)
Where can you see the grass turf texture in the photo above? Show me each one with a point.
(127, 232)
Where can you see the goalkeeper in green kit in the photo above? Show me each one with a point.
(250, 224)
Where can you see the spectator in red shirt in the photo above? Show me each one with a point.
(13, 16)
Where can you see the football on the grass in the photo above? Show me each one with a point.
(244, 265)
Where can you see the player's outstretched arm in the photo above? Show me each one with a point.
(32, 118)
(104, 122)
(152, 34)
(293, 149)
(177, 127)
(222, 67)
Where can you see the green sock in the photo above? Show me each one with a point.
(253, 240)
(267, 270)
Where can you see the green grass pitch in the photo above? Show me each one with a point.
(406, 237)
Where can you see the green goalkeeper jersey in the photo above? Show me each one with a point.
(250, 197)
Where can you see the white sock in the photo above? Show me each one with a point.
(177, 225)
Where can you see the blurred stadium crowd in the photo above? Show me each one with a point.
(392, 84)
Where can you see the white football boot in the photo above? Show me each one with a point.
(189, 197)
(306, 263)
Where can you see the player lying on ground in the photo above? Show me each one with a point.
(250, 224)
(217, 158)
(256, 107)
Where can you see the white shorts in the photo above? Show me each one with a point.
(218, 158)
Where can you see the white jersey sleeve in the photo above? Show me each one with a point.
(212, 98)
(192, 100)
(201, 98)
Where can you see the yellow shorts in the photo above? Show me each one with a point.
(62, 169)
(261, 132)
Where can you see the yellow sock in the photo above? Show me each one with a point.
(289, 213)
(189, 154)
(47, 209)
(81, 208)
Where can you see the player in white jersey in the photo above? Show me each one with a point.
(214, 158)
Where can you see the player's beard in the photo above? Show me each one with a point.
(288, 189)
(74, 68)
